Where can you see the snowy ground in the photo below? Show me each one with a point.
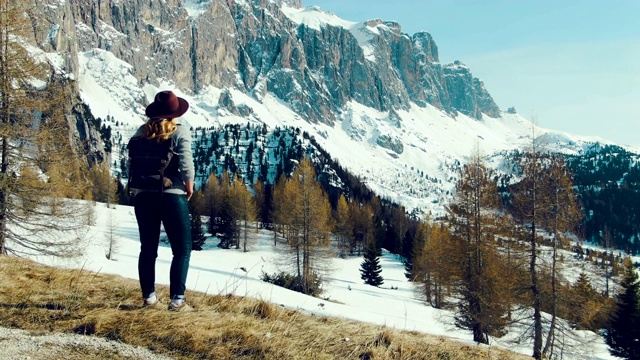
(216, 271)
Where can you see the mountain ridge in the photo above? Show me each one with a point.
(396, 113)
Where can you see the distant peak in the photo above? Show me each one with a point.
(296, 4)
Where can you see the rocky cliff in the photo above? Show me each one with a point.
(260, 46)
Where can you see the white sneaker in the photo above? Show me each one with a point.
(150, 301)
(179, 306)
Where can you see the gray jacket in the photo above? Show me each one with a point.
(186, 169)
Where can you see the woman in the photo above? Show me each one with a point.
(166, 204)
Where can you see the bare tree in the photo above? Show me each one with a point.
(111, 238)
(561, 217)
(543, 202)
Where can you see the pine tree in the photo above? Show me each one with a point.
(623, 335)
(370, 268)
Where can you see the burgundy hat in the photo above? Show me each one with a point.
(167, 105)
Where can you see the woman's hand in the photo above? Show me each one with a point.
(189, 186)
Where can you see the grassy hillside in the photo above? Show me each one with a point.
(40, 298)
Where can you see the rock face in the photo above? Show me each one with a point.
(254, 46)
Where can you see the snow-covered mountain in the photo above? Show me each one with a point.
(378, 100)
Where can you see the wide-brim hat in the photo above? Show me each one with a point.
(166, 105)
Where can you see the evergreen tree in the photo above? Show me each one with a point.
(370, 268)
(624, 331)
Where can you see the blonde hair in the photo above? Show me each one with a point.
(160, 129)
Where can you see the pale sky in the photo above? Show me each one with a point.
(572, 66)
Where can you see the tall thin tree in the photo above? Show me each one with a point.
(33, 139)
(472, 217)
(308, 211)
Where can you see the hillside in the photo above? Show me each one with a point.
(90, 298)
(379, 115)
(103, 319)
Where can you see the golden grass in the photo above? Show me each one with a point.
(37, 297)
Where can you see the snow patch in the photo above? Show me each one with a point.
(195, 8)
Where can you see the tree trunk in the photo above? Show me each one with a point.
(537, 313)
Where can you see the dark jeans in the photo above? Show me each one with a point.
(171, 209)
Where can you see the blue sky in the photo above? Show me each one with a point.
(572, 66)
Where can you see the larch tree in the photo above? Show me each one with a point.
(227, 226)
(264, 203)
(529, 202)
(544, 202)
(39, 166)
(279, 213)
(308, 212)
(104, 185)
(246, 211)
(363, 229)
(211, 202)
(343, 230)
(484, 302)
(434, 262)
(561, 217)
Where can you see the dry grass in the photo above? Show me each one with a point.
(36, 297)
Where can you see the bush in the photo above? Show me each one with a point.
(292, 282)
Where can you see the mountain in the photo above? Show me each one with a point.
(377, 100)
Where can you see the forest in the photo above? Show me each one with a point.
(498, 250)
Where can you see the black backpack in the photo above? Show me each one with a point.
(153, 165)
